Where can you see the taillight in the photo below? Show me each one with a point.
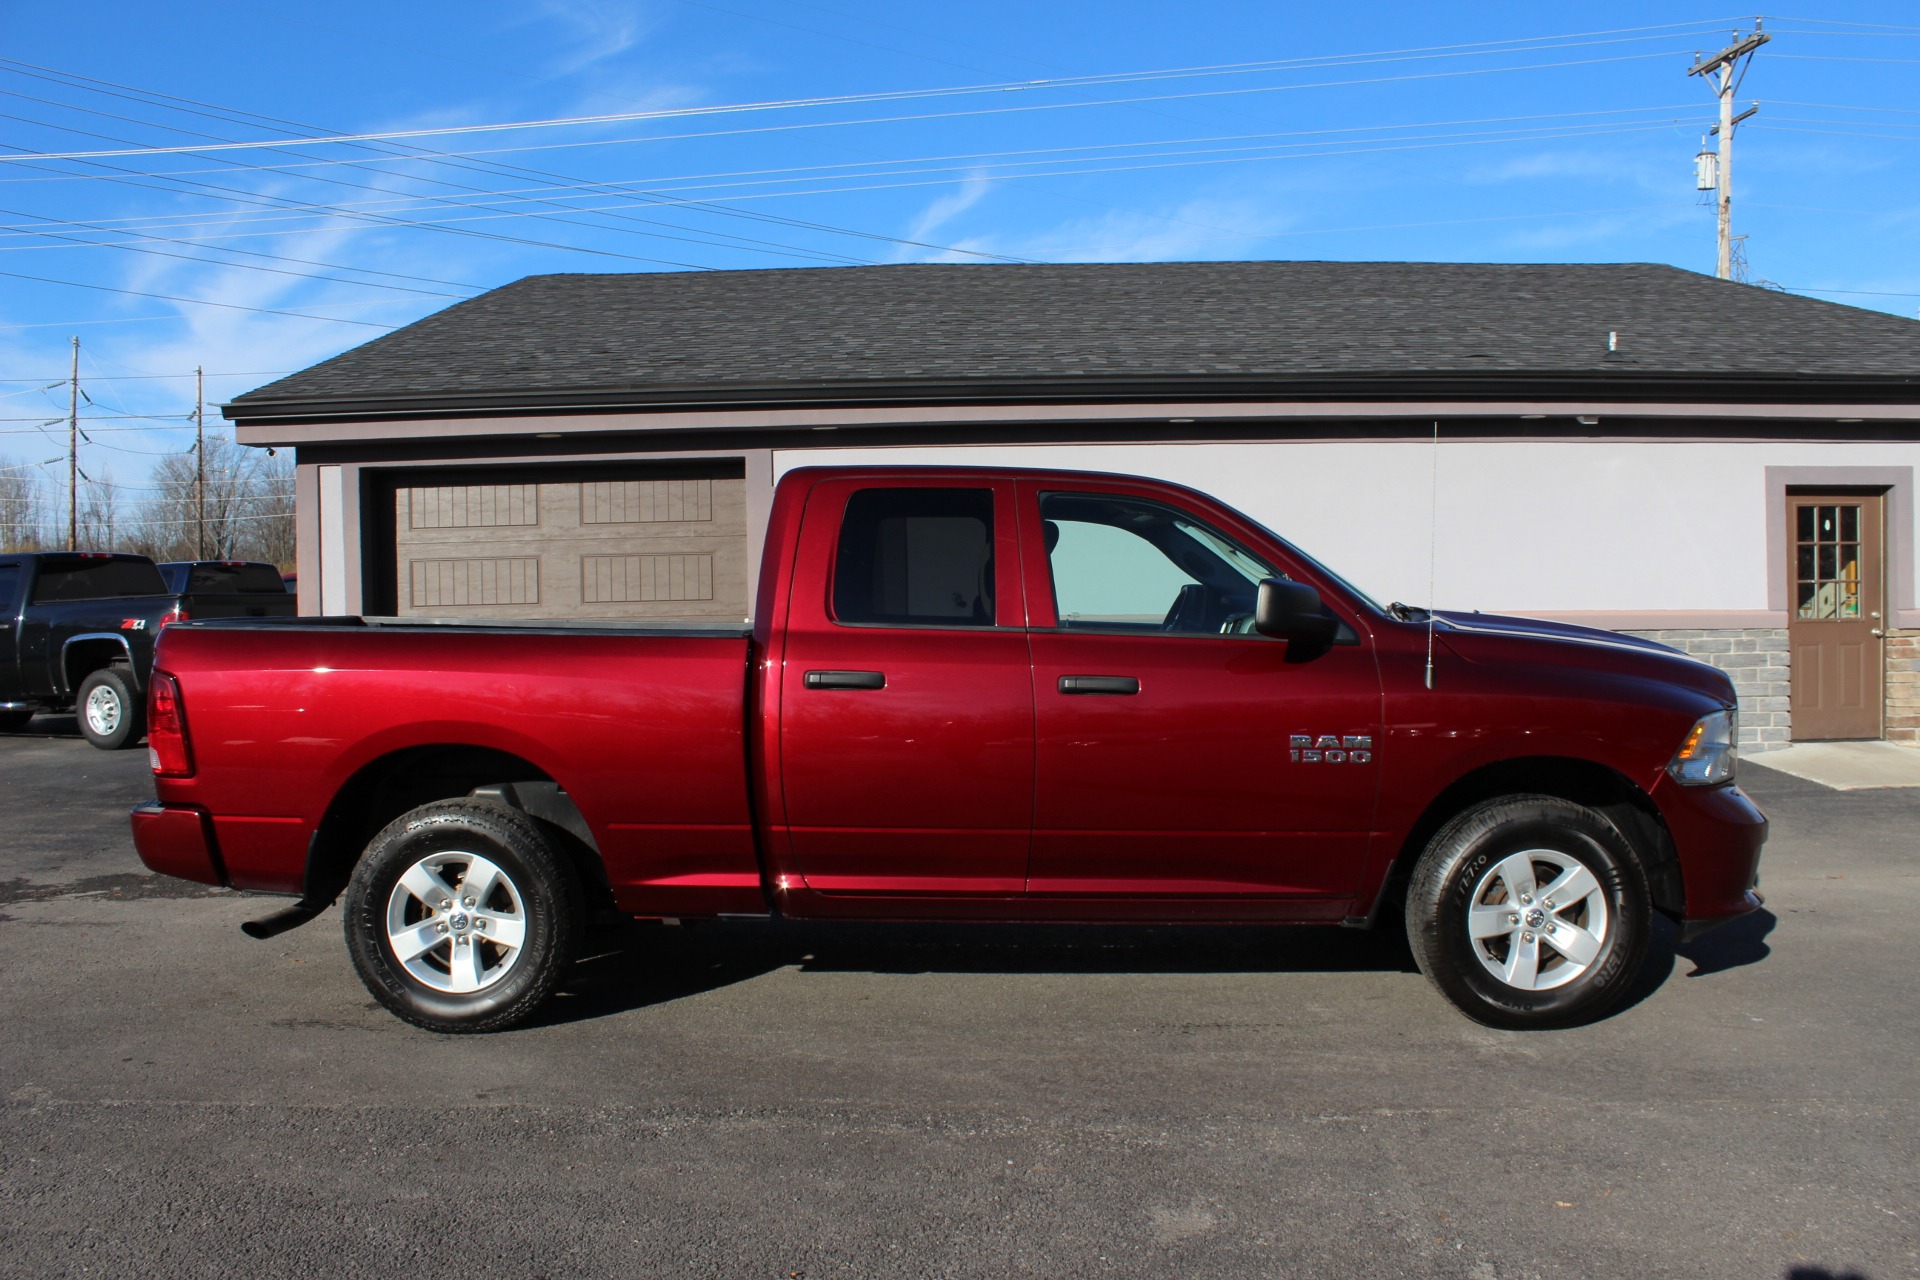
(177, 614)
(167, 749)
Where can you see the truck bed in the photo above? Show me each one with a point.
(644, 728)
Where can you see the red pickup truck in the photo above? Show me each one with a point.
(987, 695)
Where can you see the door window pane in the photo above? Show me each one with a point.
(1127, 564)
(1827, 561)
(916, 557)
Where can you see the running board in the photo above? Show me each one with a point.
(281, 921)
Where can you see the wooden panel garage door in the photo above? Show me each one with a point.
(668, 548)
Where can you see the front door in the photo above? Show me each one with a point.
(1835, 614)
(1170, 781)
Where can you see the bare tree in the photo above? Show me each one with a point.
(23, 514)
(99, 523)
(245, 513)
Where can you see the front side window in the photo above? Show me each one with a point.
(1128, 564)
(916, 557)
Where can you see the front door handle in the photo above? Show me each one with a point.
(1099, 684)
(846, 680)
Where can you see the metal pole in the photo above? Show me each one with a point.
(200, 462)
(73, 451)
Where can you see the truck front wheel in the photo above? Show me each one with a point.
(1529, 911)
(112, 716)
(463, 916)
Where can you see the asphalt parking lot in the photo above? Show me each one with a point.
(748, 1101)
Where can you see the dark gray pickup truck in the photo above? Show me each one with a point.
(77, 631)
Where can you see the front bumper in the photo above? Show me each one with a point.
(177, 841)
(1718, 833)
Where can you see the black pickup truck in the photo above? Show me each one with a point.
(77, 630)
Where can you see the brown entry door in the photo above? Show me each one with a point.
(1835, 615)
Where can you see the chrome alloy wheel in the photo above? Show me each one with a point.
(456, 922)
(103, 711)
(1538, 919)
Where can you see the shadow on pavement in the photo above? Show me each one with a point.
(642, 965)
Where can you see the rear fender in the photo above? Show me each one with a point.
(84, 654)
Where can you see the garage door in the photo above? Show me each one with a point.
(640, 548)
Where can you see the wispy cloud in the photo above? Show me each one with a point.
(943, 210)
(594, 31)
(1202, 227)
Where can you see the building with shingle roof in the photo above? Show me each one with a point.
(1629, 445)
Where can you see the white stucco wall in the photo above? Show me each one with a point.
(1519, 526)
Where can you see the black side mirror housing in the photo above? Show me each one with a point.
(1292, 611)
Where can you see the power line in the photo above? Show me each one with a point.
(235, 115)
(201, 302)
(845, 99)
(1055, 156)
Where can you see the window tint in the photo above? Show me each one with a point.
(916, 557)
(1127, 564)
(97, 579)
(225, 578)
(9, 583)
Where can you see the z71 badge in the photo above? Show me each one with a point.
(1327, 749)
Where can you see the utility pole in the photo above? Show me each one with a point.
(73, 451)
(200, 461)
(1723, 72)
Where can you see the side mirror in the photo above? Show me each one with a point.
(1292, 611)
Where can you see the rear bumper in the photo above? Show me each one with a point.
(1717, 835)
(177, 841)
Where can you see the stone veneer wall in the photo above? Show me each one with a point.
(1759, 662)
(1903, 687)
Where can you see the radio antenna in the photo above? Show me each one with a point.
(1433, 538)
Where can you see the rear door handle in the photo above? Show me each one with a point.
(1099, 684)
(846, 679)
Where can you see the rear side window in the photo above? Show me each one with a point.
(916, 557)
(97, 580)
(9, 586)
(234, 578)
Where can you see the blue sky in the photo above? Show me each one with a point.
(779, 133)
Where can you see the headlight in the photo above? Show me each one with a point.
(1707, 756)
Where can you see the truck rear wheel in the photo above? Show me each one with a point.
(463, 916)
(1529, 911)
(112, 716)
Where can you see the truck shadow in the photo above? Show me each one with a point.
(1733, 945)
(48, 725)
(634, 966)
(643, 965)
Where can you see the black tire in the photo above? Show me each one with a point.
(1586, 947)
(14, 721)
(111, 713)
(537, 890)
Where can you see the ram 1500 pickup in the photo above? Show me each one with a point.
(986, 695)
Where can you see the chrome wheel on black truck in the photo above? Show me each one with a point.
(1530, 911)
(111, 714)
(463, 916)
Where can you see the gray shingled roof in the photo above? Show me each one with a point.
(983, 330)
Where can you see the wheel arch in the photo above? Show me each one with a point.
(84, 654)
(1606, 791)
(402, 780)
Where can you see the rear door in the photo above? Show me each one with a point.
(1185, 766)
(906, 704)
